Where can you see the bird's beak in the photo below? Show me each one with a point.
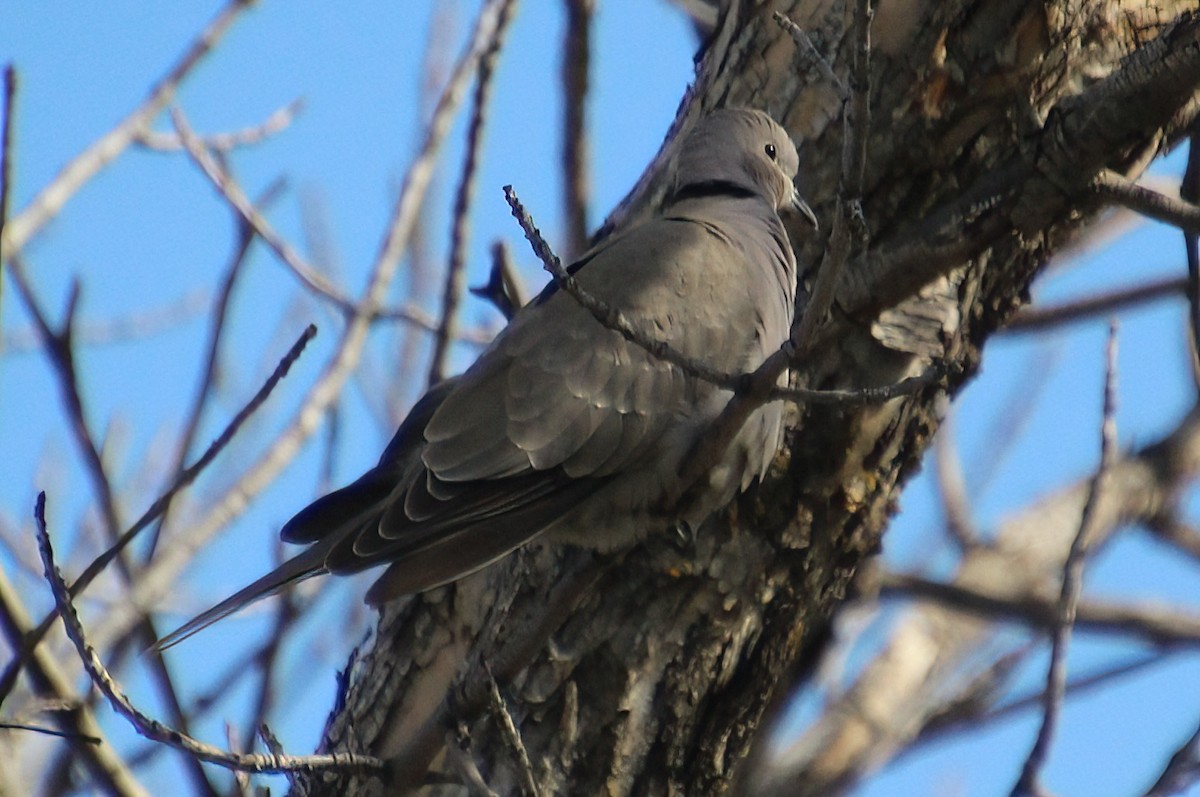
(798, 204)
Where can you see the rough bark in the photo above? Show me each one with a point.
(654, 672)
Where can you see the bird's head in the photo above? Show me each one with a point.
(744, 150)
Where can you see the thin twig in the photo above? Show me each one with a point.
(6, 154)
(849, 231)
(1118, 188)
(1037, 319)
(105, 149)
(1182, 770)
(1150, 624)
(1183, 213)
(308, 275)
(1016, 705)
(220, 308)
(31, 640)
(1072, 584)
(58, 345)
(136, 326)
(810, 53)
(1189, 191)
(21, 726)
(935, 375)
(277, 122)
(456, 275)
(503, 288)
(109, 772)
(512, 736)
(762, 382)
(610, 317)
(952, 487)
(458, 751)
(268, 656)
(575, 73)
(150, 728)
(60, 350)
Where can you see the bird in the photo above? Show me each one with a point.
(563, 429)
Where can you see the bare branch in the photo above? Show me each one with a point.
(1118, 188)
(160, 574)
(59, 350)
(277, 122)
(610, 317)
(456, 276)
(1182, 771)
(150, 728)
(952, 488)
(105, 149)
(1189, 191)
(576, 67)
(1152, 624)
(133, 327)
(31, 640)
(108, 770)
(6, 155)
(1180, 212)
(1037, 319)
(810, 53)
(1072, 583)
(309, 276)
(501, 715)
(503, 288)
(220, 308)
(22, 726)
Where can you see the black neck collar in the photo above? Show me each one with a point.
(712, 188)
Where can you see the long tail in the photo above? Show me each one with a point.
(308, 563)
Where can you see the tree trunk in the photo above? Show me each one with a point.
(656, 672)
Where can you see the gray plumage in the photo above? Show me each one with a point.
(562, 427)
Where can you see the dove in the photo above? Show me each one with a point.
(562, 429)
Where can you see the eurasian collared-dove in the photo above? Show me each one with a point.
(563, 427)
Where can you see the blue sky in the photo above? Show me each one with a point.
(149, 231)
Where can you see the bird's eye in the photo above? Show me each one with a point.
(770, 150)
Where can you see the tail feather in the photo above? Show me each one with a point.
(307, 564)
